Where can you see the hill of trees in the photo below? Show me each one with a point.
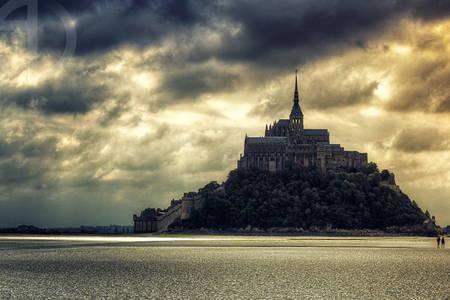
(351, 199)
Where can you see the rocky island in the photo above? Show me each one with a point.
(294, 180)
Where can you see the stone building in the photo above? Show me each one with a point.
(287, 143)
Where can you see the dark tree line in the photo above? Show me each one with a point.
(351, 199)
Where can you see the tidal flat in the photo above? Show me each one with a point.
(222, 267)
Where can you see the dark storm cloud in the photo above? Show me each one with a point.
(267, 29)
(416, 140)
(272, 35)
(359, 95)
(292, 32)
(425, 85)
(192, 82)
(109, 114)
(309, 27)
(31, 156)
(25, 159)
(67, 95)
(430, 10)
(322, 92)
(104, 25)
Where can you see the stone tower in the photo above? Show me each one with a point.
(296, 116)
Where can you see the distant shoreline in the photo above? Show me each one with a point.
(121, 230)
(225, 233)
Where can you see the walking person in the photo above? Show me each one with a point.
(438, 241)
(442, 242)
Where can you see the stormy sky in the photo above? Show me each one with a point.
(157, 96)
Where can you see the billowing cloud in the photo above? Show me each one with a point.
(422, 139)
(142, 23)
(190, 83)
(68, 95)
(159, 94)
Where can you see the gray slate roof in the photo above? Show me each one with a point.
(316, 132)
(267, 140)
(283, 122)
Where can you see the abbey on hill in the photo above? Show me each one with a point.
(294, 178)
(287, 143)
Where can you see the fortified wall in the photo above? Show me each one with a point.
(158, 220)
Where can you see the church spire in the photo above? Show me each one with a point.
(296, 116)
(296, 112)
(296, 97)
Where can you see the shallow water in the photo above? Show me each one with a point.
(190, 267)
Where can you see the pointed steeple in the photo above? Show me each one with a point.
(296, 111)
(296, 97)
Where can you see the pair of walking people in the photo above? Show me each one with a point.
(440, 240)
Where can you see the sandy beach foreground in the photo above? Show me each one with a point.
(223, 267)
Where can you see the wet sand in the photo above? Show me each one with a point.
(223, 267)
